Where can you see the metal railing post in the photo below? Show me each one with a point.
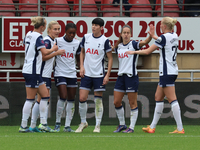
(8, 76)
(80, 4)
(162, 7)
(120, 8)
(38, 7)
(191, 77)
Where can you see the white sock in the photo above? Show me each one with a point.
(43, 110)
(69, 112)
(133, 118)
(59, 110)
(120, 115)
(177, 114)
(26, 111)
(98, 109)
(83, 111)
(35, 114)
(157, 113)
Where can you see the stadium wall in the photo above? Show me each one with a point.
(13, 95)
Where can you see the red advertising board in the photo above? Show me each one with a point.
(14, 30)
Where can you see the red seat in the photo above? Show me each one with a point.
(26, 8)
(58, 7)
(140, 8)
(168, 8)
(110, 7)
(86, 8)
(7, 8)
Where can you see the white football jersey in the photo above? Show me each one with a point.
(66, 64)
(33, 57)
(127, 63)
(47, 65)
(168, 46)
(95, 50)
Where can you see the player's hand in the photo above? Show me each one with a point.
(151, 30)
(105, 80)
(82, 72)
(130, 52)
(55, 47)
(60, 51)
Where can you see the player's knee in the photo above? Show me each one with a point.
(117, 103)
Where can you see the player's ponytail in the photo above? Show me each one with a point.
(169, 22)
(37, 22)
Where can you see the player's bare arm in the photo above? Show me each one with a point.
(82, 56)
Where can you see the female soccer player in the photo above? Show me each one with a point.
(65, 75)
(93, 48)
(53, 31)
(127, 80)
(34, 49)
(168, 71)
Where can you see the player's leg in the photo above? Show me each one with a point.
(35, 114)
(85, 87)
(98, 109)
(43, 91)
(119, 109)
(61, 84)
(62, 90)
(171, 97)
(26, 111)
(132, 96)
(131, 86)
(119, 91)
(83, 94)
(31, 82)
(159, 96)
(98, 93)
(70, 108)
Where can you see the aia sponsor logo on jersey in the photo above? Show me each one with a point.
(92, 51)
(122, 55)
(68, 55)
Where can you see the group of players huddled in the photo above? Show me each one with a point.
(68, 53)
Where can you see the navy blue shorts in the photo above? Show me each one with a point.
(167, 80)
(127, 84)
(88, 82)
(69, 82)
(33, 80)
(47, 81)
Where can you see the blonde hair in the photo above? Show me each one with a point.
(51, 24)
(37, 22)
(120, 40)
(169, 22)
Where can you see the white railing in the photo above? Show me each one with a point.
(191, 78)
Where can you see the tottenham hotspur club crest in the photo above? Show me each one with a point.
(99, 45)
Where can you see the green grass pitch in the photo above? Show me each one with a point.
(11, 139)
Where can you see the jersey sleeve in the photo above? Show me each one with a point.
(136, 45)
(161, 41)
(78, 50)
(107, 46)
(83, 41)
(39, 43)
(47, 44)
